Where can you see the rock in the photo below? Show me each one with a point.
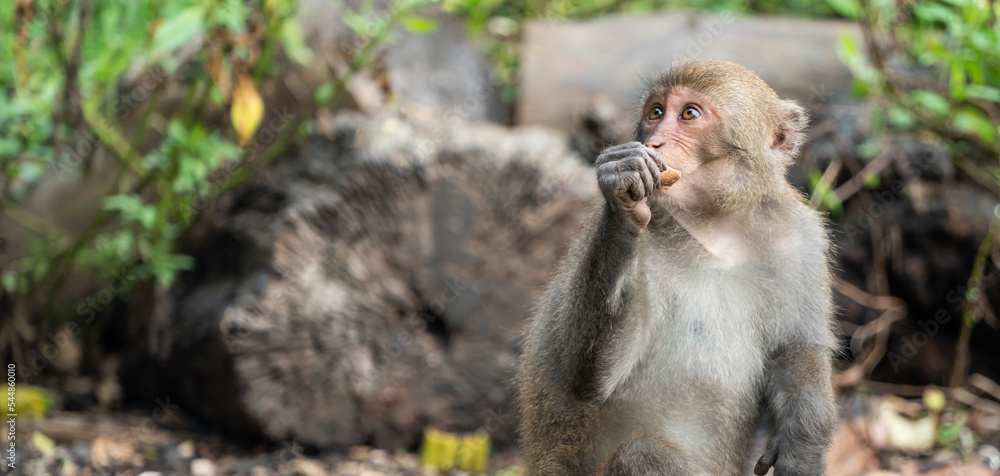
(441, 70)
(307, 467)
(106, 452)
(566, 64)
(186, 449)
(202, 467)
(373, 285)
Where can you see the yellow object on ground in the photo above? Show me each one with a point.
(33, 401)
(444, 451)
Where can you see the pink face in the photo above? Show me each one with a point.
(675, 124)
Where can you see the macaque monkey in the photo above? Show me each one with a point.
(686, 317)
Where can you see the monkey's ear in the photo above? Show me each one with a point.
(792, 130)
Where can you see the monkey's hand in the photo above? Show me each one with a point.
(627, 174)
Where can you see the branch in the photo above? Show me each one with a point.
(973, 291)
(111, 138)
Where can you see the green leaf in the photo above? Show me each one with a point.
(872, 180)
(418, 24)
(324, 93)
(935, 12)
(901, 117)
(869, 148)
(971, 121)
(972, 294)
(974, 71)
(934, 102)
(848, 46)
(29, 171)
(176, 31)
(957, 82)
(985, 41)
(354, 21)
(980, 91)
(948, 433)
(815, 175)
(165, 265)
(231, 14)
(132, 209)
(295, 45)
(9, 280)
(845, 8)
(859, 88)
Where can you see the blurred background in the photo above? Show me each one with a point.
(302, 236)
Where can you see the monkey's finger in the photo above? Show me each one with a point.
(627, 145)
(623, 145)
(620, 181)
(650, 182)
(766, 460)
(657, 157)
(618, 168)
(614, 155)
(636, 186)
(654, 171)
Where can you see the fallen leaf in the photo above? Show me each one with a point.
(849, 455)
(32, 401)
(247, 109)
(43, 443)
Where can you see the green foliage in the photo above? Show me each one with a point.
(81, 82)
(946, 79)
(934, 67)
(829, 199)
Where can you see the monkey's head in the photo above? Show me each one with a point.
(725, 130)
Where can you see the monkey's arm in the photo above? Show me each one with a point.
(584, 307)
(604, 291)
(559, 382)
(596, 286)
(799, 395)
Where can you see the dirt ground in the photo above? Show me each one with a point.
(878, 436)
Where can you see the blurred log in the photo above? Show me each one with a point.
(565, 65)
(373, 285)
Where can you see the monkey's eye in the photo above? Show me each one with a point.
(655, 113)
(690, 113)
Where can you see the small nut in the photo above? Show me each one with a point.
(668, 177)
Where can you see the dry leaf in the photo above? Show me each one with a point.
(849, 455)
(916, 435)
(43, 443)
(247, 109)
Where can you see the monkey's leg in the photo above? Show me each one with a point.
(644, 456)
(800, 397)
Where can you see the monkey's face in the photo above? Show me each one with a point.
(725, 130)
(683, 126)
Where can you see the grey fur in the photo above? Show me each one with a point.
(661, 347)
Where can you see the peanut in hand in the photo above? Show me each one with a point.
(668, 177)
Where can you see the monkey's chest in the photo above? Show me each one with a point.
(699, 377)
(706, 328)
